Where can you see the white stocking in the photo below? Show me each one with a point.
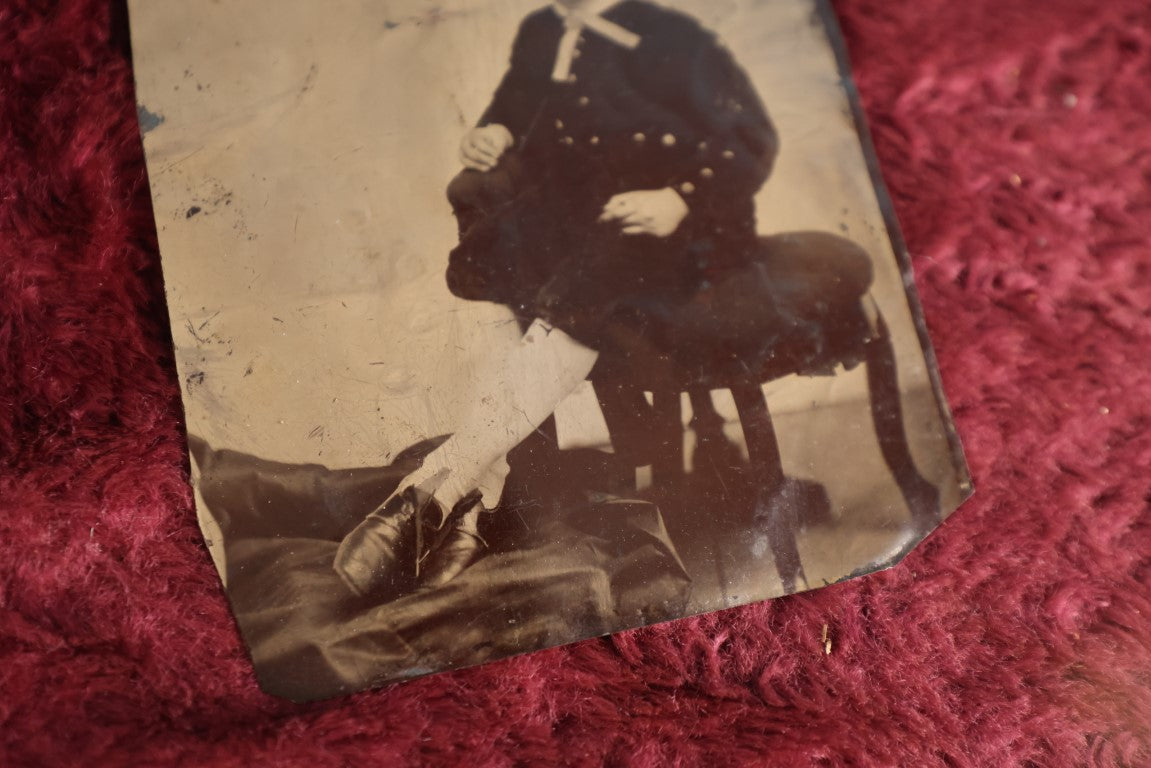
(533, 376)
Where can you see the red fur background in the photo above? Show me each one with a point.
(1015, 138)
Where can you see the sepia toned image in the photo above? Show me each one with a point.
(502, 326)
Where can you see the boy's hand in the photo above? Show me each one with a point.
(482, 148)
(646, 212)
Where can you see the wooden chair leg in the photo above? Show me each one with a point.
(759, 432)
(715, 456)
(705, 420)
(629, 418)
(775, 510)
(921, 495)
(667, 463)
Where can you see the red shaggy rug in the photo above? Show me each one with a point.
(1015, 138)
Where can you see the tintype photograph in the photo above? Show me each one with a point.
(504, 325)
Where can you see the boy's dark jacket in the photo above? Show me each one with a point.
(712, 299)
(676, 111)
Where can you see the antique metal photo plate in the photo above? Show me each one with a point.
(504, 325)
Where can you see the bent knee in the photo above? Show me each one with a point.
(466, 190)
(482, 189)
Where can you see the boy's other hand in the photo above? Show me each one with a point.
(482, 148)
(646, 212)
